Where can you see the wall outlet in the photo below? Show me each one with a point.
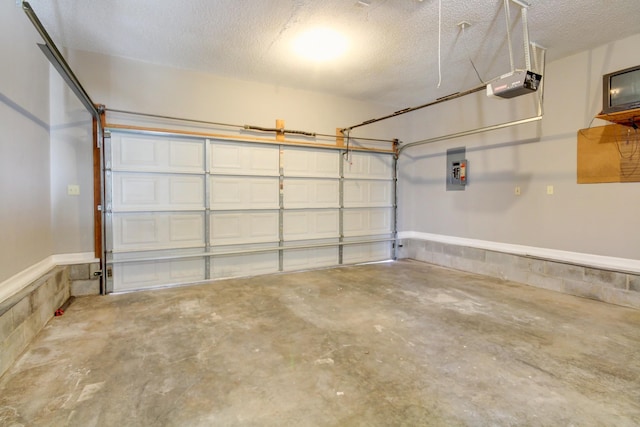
(73, 190)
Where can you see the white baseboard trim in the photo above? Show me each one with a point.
(19, 281)
(596, 261)
(79, 258)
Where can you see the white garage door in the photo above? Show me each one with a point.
(184, 210)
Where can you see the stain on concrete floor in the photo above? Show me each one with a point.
(402, 343)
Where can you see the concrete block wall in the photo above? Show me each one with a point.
(84, 280)
(615, 287)
(23, 315)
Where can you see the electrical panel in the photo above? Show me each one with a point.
(459, 172)
(457, 169)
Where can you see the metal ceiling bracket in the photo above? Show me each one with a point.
(521, 3)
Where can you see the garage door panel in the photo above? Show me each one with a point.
(148, 274)
(296, 193)
(132, 232)
(263, 193)
(155, 192)
(311, 224)
(244, 159)
(302, 259)
(244, 265)
(366, 252)
(186, 229)
(297, 163)
(244, 227)
(311, 193)
(137, 190)
(380, 193)
(355, 193)
(311, 163)
(183, 210)
(236, 193)
(138, 274)
(136, 153)
(369, 166)
(187, 270)
(186, 156)
(328, 164)
(365, 193)
(225, 158)
(380, 221)
(226, 227)
(157, 155)
(154, 231)
(362, 222)
(355, 221)
(327, 193)
(186, 191)
(367, 221)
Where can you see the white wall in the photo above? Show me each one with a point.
(71, 143)
(595, 219)
(45, 144)
(126, 84)
(25, 226)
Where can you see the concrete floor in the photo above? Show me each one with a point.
(402, 343)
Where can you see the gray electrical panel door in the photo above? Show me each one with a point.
(456, 169)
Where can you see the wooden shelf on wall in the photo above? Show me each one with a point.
(625, 118)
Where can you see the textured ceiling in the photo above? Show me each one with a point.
(393, 52)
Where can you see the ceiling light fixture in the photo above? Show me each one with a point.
(321, 44)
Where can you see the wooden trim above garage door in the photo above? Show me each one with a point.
(338, 145)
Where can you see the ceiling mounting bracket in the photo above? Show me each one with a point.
(521, 3)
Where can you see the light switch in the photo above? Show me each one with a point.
(549, 189)
(73, 190)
